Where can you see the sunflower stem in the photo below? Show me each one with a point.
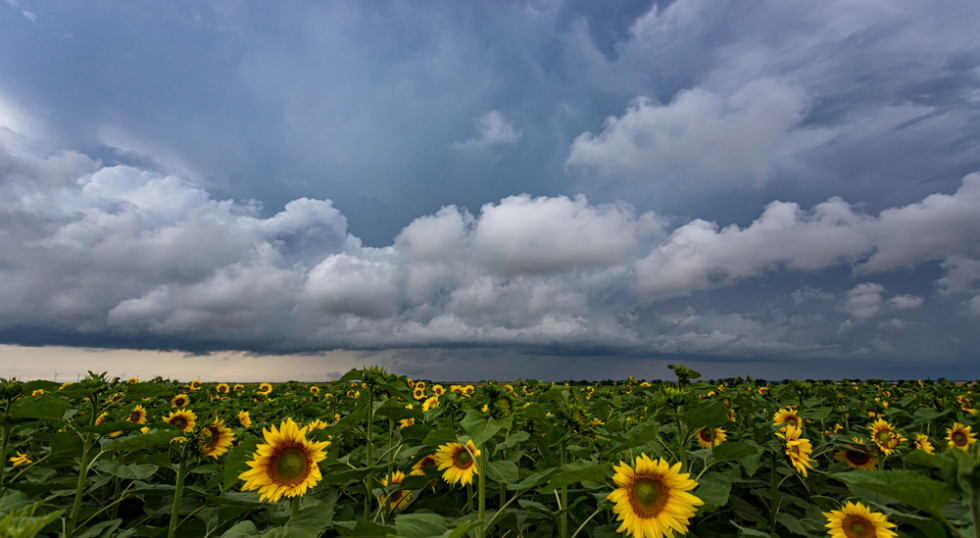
(975, 510)
(368, 480)
(774, 492)
(83, 465)
(482, 491)
(563, 515)
(681, 439)
(294, 507)
(175, 509)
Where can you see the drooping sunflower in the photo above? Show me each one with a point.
(884, 435)
(960, 436)
(286, 464)
(265, 388)
(708, 438)
(137, 415)
(798, 449)
(787, 415)
(857, 456)
(215, 438)
(244, 419)
(20, 459)
(429, 403)
(457, 462)
(922, 443)
(966, 404)
(180, 400)
(184, 419)
(653, 499)
(856, 520)
(400, 498)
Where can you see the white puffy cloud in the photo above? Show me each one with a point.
(493, 129)
(906, 302)
(863, 301)
(700, 131)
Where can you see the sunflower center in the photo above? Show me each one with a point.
(884, 437)
(290, 466)
(858, 527)
(463, 458)
(856, 457)
(180, 422)
(959, 438)
(648, 496)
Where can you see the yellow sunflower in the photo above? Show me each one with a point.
(787, 415)
(133, 380)
(458, 462)
(244, 419)
(20, 459)
(438, 390)
(222, 388)
(430, 403)
(653, 499)
(215, 438)
(857, 456)
(286, 464)
(855, 520)
(960, 436)
(400, 498)
(419, 467)
(884, 435)
(137, 415)
(711, 438)
(922, 443)
(315, 390)
(798, 449)
(966, 404)
(180, 400)
(406, 422)
(102, 418)
(38, 392)
(195, 385)
(184, 419)
(265, 388)
(418, 392)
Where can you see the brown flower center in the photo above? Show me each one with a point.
(959, 438)
(648, 496)
(462, 458)
(855, 526)
(858, 457)
(289, 465)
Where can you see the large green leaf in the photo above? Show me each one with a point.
(577, 472)
(503, 471)
(40, 407)
(710, 415)
(909, 487)
(735, 450)
(420, 525)
(130, 471)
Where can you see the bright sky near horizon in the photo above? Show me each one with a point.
(558, 189)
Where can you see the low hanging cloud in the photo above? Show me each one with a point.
(121, 252)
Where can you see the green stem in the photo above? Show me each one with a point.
(975, 510)
(482, 491)
(563, 515)
(774, 490)
(294, 507)
(368, 481)
(83, 465)
(175, 509)
(3, 444)
(681, 439)
(588, 519)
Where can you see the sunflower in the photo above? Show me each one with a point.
(244, 419)
(458, 462)
(184, 419)
(406, 422)
(857, 456)
(430, 403)
(20, 459)
(966, 404)
(38, 392)
(180, 400)
(104, 416)
(133, 380)
(195, 385)
(798, 449)
(711, 438)
(237, 387)
(786, 415)
(419, 467)
(265, 388)
(653, 499)
(438, 390)
(922, 443)
(215, 438)
(960, 436)
(418, 392)
(315, 390)
(137, 415)
(286, 464)
(884, 435)
(222, 388)
(400, 498)
(315, 424)
(855, 520)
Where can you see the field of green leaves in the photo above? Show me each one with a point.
(374, 454)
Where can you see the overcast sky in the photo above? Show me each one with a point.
(551, 189)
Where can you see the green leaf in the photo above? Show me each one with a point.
(748, 531)
(366, 529)
(129, 471)
(107, 428)
(310, 522)
(152, 438)
(242, 529)
(711, 415)
(420, 525)
(735, 450)
(577, 472)
(791, 523)
(534, 479)
(505, 472)
(138, 391)
(441, 436)
(921, 457)
(479, 427)
(908, 487)
(40, 407)
(714, 492)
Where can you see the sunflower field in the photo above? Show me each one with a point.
(374, 454)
